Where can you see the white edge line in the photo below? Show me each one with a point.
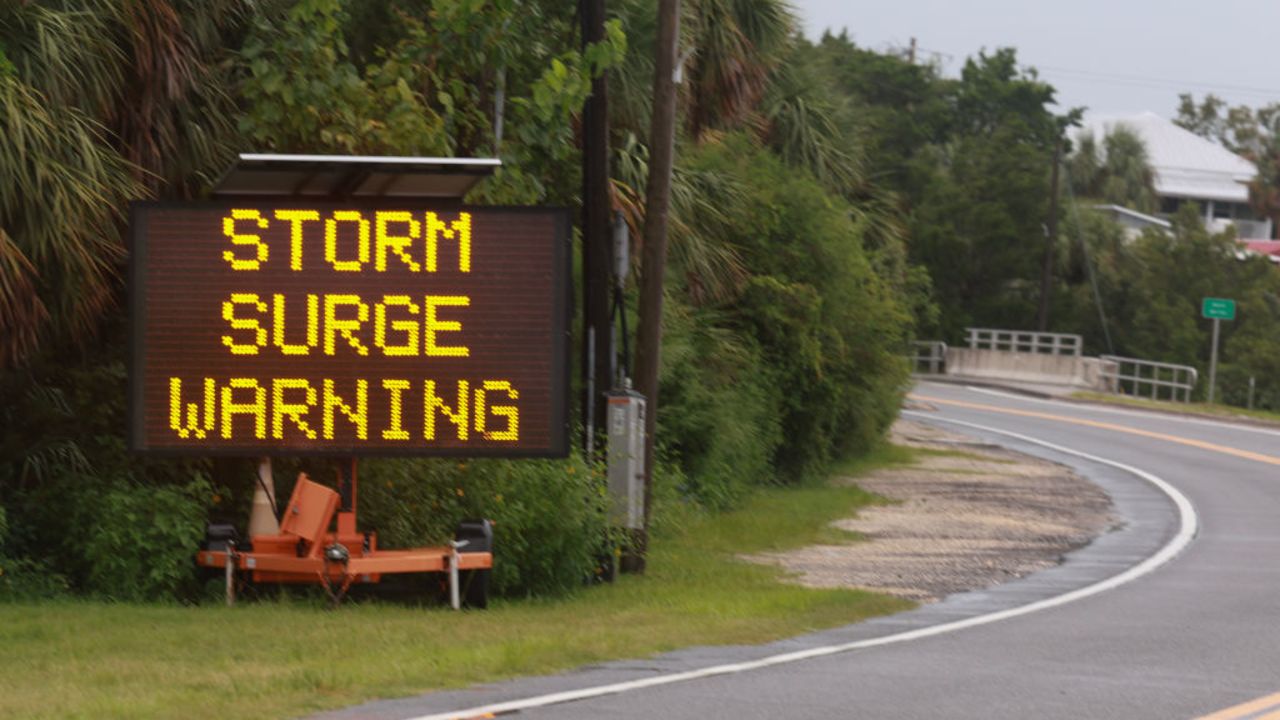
(1129, 412)
(1187, 531)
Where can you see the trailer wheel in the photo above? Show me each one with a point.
(475, 588)
(474, 584)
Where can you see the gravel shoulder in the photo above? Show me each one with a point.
(966, 515)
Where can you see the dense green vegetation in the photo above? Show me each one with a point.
(967, 160)
(1151, 288)
(790, 301)
(829, 204)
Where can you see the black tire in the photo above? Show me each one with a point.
(474, 588)
(473, 585)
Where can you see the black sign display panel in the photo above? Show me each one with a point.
(281, 326)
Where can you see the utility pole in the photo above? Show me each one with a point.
(1051, 240)
(911, 54)
(597, 241)
(662, 140)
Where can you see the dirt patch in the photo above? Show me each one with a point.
(967, 515)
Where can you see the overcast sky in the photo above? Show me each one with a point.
(1114, 57)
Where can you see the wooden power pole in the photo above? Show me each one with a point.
(597, 240)
(662, 140)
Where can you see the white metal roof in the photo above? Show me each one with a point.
(1185, 164)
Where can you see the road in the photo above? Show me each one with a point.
(1190, 628)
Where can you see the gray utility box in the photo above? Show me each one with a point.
(626, 458)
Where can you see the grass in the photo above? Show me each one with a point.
(286, 659)
(1196, 408)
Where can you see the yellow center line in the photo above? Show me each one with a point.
(1248, 708)
(1201, 444)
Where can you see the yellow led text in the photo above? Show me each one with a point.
(324, 409)
(350, 241)
(340, 324)
(260, 247)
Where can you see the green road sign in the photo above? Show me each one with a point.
(1218, 309)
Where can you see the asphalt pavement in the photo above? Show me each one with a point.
(1176, 614)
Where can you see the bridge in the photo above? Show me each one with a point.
(1052, 363)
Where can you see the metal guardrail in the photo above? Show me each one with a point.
(932, 354)
(1029, 342)
(1148, 373)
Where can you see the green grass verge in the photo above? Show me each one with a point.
(1195, 408)
(284, 659)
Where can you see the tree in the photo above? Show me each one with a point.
(1120, 173)
(978, 223)
(429, 83)
(1254, 134)
(1206, 119)
(736, 45)
(890, 109)
(100, 103)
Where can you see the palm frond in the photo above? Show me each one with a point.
(709, 264)
(61, 201)
(67, 53)
(800, 127)
(22, 312)
(736, 44)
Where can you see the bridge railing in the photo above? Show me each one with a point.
(1147, 378)
(1025, 342)
(930, 356)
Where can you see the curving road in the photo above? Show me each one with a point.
(1147, 622)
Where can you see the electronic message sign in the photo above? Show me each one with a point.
(284, 326)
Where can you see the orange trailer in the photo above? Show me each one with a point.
(310, 549)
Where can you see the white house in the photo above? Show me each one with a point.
(1190, 168)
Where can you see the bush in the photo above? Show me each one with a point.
(69, 483)
(718, 410)
(22, 578)
(550, 523)
(807, 347)
(143, 541)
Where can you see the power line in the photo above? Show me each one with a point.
(1160, 83)
(1143, 81)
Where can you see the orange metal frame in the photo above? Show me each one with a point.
(297, 554)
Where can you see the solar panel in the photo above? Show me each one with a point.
(354, 176)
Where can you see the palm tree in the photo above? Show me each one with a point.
(62, 194)
(737, 75)
(101, 102)
(736, 45)
(1118, 172)
(730, 49)
(1129, 179)
(1084, 166)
